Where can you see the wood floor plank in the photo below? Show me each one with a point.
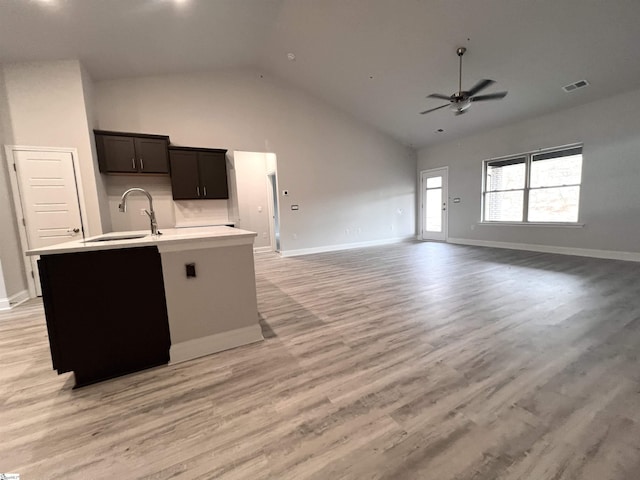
(417, 361)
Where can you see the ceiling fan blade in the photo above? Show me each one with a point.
(440, 96)
(481, 85)
(490, 96)
(434, 109)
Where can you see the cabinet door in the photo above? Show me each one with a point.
(107, 323)
(118, 154)
(213, 175)
(184, 175)
(152, 155)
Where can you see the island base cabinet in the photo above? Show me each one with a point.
(217, 309)
(106, 312)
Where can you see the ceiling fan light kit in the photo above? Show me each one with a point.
(461, 100)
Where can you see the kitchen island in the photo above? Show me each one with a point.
(126, 301)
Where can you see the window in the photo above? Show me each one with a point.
(536, 187)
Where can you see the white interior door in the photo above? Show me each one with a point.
(49, 198)
(434, 204)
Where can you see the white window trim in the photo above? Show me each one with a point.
(533, 224)
(527, 189)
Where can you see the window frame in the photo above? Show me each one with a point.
(528, 156)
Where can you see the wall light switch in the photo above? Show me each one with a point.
(295, 207)
(259, 208)
(456, 200)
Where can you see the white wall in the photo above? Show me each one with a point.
(100, 180)
(47, 107)
(12, 279)
(610, 196)
(253, 197)
(352, 183)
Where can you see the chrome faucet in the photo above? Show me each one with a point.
(152, 215)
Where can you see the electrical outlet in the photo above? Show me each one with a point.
(295, 236)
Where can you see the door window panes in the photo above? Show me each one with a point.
(433, 210)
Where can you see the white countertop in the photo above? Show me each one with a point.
(172, 239)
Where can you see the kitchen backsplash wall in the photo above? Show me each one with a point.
(169, 213)
(192, 213)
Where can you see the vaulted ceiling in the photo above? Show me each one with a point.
(376, 59)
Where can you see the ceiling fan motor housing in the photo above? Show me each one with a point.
(461, 104)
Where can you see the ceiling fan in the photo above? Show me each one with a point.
(462, 99)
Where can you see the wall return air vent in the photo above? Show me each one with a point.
(575, 86)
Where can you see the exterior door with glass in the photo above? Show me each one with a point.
(434, 196)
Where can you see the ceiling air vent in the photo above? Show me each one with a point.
(575, 86)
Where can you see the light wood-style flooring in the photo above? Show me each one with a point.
(412, 361)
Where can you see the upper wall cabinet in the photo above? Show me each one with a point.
(132, 153)
(198, 173)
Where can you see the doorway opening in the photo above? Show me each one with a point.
(274, 210)
(256, 186)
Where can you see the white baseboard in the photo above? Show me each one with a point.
(14, 300)
(344, 246)
(262, 249)
(18, 298)
(580, 252)
(199, 347)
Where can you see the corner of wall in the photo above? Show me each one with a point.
(12, 276)
(101, 188)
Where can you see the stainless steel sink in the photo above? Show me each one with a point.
(108, 238)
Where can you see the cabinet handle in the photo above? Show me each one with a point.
(133, 163)
(205, 190)
(198, 190)
(141, 164)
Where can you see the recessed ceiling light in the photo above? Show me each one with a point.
(49, 3)
(291, 56)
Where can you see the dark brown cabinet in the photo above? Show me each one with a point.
(198, 173)
(132, 153)
(102, 320)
